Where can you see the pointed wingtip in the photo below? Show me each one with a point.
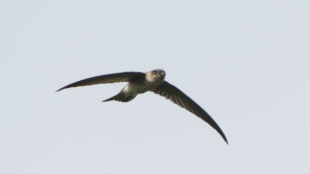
(226, 141)
(224, 137)
(62, 88)
(59, 89)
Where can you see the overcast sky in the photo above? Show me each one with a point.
(245, 62)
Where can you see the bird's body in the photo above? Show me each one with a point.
(154, 81)
(139, 85)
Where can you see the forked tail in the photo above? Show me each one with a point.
(120, 97)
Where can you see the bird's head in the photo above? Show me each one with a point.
(156, 76)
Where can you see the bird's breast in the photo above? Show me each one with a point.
(134, 88)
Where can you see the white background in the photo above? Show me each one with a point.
(245, 62)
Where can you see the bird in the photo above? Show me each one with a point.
(153, 81)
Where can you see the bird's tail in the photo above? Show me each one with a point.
(121, 98)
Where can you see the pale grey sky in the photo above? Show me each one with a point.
(246, 63)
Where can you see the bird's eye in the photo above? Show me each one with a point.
(154, 72)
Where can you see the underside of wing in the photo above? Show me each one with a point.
(109, 78)
(178, 97)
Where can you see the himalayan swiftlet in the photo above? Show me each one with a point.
(154, 81)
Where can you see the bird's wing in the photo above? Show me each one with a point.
(108, 78)
(178, 97)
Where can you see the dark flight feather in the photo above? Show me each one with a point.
(109, 78)
(178, 97)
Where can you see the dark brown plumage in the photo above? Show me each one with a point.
(151, 81)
